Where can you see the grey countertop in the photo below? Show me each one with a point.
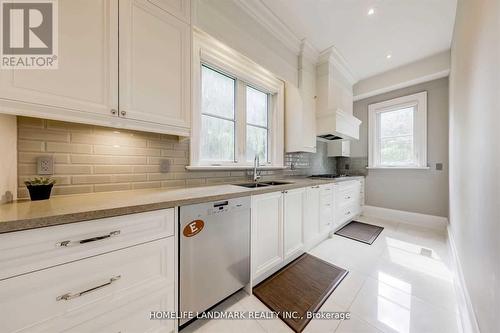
(25, 215)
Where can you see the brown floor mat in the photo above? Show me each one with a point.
(361, 232)
(302, 286)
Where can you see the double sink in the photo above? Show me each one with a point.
(262, 184)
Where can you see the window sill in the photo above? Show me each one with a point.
(399, 168)
(230, 168)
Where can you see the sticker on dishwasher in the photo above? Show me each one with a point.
(193, 228)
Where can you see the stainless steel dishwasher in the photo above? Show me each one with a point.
(214, 252)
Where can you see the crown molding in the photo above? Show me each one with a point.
(332, 55)
(265, 16)
(405, 84)
(262, 14)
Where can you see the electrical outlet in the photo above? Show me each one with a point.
(45, 165)
(164, 166)
(426, 252)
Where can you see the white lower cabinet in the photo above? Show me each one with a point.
(110, 291)
(349, 201)
(285, 224)
(267, 232)
(293, 214)
(27, 251)
(312, 216)
(277, 230)
(134, 317)
(319, 214)
(326, 216)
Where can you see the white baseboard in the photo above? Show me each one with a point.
(423, 220)
(467, 314)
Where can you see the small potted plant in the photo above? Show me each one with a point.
(40, 187)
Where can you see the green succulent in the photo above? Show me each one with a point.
(37, 181)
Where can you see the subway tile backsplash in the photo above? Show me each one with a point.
(93, 159)
(352, 166)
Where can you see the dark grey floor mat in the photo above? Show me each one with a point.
(361, 232)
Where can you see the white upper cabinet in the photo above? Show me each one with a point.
(86, 83)
(339, 148)
(300, 123)
(154, 65)
(123, 66)
(300, 111)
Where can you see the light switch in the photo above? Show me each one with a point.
(165, 165)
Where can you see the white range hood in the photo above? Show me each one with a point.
(334, 119)
(337, 125)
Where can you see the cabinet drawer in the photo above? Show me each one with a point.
(347, 196)
(26, 251)
(346, 213)
(59, 298)
(134, 317)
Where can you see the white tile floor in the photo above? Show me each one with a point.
(392, 286)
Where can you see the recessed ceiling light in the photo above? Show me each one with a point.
(371, 11)
(388, 56)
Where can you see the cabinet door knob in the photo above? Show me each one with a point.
(114, 112)
(123, 113)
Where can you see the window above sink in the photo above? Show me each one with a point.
(238, 110)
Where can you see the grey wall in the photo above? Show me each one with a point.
(475, 154)
(419, 191)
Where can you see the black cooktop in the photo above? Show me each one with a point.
(329, 175)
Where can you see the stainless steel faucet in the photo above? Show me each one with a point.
(256, 173)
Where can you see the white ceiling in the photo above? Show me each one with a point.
(407, 29)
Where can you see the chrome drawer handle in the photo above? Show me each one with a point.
(347, 197)
(348, 213)
(68, 243)
(69, 296)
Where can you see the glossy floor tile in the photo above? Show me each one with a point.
(401, 283)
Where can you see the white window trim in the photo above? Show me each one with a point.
(209, 51)
(419, 101)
